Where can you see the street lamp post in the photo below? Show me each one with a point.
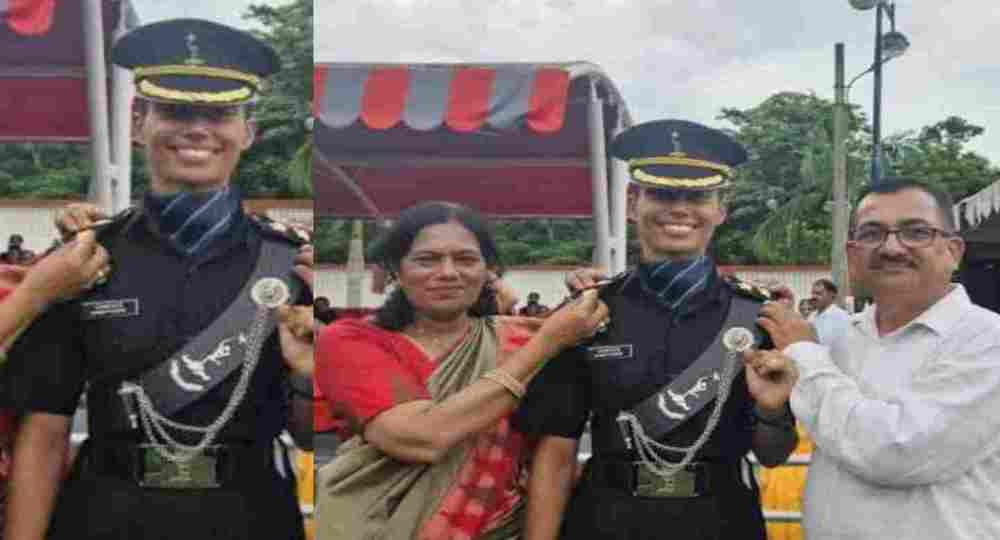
(887, 47)
(877, 100)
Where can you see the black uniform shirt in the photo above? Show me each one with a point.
(61, 353)
(575, 387)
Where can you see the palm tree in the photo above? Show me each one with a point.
(798, 227)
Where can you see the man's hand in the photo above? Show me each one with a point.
(770, 378)
(295, 329)
(304, 264)
(785, 326)
(584, 278)
(76, 217)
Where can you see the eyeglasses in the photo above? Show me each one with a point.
(911, 236)
(179, 112)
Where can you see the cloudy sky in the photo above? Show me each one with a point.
(223, 11)
(690, 58)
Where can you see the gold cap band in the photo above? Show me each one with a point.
(238, 95)
(142, 72)
(708, 182)
(682, 161)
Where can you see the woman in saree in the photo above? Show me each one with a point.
(25, 292)
(427, 385)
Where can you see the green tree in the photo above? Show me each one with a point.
(937, 155)
(279, 163)
(777, 209)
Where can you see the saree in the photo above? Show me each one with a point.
(364, 494)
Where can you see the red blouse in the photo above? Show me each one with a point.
(362, 370)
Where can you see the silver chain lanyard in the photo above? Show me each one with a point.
(155, 425)
(736, 340)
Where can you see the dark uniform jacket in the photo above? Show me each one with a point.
(170, 298)
(658, 345)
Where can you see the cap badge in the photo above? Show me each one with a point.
(675, 139)
(270, 293)
(738, 339)
(192, 47)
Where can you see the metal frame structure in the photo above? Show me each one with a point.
(110, 134)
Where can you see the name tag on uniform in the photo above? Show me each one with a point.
(110, 309)
(609, 352)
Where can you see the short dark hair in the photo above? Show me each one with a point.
(827, 284)
(394, 244)
(942, 198)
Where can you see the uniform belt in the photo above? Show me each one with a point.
(217, 466)
(695, 480)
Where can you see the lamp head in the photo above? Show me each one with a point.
(894, 44)
(863, 5)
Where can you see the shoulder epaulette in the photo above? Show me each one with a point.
(115, 223)
(611, 284)
(276, 229)
(747, 289)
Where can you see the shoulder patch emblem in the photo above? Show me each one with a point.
(291, 232)
(748, 289)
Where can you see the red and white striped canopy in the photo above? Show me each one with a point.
(511, 140)
(427, 97)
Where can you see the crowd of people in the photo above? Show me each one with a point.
(16, 253)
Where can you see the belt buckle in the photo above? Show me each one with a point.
(198, 472)
(648, 484)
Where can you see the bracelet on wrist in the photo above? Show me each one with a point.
(501, 377)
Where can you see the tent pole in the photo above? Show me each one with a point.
(618, 208)
(598, 177)
(121, 125)
(355, 264)
(97, 94)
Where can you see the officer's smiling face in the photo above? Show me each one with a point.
(191, 147)
(674, 224)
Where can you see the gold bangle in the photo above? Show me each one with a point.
(507, 381)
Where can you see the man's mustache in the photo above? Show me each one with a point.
(879, 263)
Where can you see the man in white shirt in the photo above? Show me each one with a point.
(904, 405)
(830, 320)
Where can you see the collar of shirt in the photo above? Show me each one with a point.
(632, 286)
(143, 228)
(941, 317)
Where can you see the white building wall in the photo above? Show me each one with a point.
(34, 219)
(548, 282)
(34, 224)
